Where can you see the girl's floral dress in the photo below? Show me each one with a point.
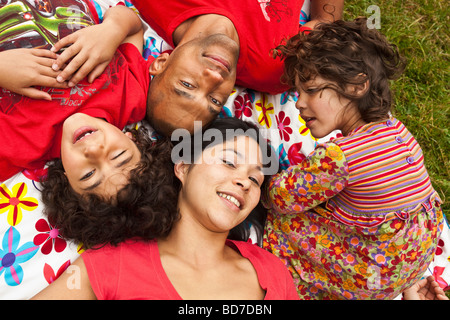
(358, 218)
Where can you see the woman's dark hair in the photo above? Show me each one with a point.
(345, 52)
(146, 208)
(226, 129)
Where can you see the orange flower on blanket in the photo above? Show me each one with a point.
(266, 108)
(14, 201)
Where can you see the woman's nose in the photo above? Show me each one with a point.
(244, 183)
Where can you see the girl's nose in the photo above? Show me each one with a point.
(300, 104)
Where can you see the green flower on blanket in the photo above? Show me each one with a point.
(15, 201)
(11, 256)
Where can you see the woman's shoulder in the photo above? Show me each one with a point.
(131, 246)
(256, 254)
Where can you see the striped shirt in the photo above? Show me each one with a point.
(374, 174)
(387, 175)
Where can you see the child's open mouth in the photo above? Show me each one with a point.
(82, 133)
(308, 120)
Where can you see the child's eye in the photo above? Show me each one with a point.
(87, 175)
(311, 90)
(119, 154)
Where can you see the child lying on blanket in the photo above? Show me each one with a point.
(359, 217)
(31, 131)
(95, 163)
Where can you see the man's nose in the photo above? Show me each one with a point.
(213, 75)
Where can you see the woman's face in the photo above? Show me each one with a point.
(97, 156)
(222, 190)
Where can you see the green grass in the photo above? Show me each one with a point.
(420, 30)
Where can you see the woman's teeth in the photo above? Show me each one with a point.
(230, 198)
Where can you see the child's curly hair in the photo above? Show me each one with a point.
(345, 52)
(146, 208)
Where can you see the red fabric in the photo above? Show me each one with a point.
(133, 270)
(261, 25)
(30, 130)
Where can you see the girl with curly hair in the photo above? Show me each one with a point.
(358, 218)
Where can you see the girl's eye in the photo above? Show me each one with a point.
(87, 175)
(187, 84)
(311, 90)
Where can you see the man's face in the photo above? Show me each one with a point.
(194, 82)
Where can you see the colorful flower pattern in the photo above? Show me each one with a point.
(266, 108)
(283, 122)
(11, 256)
(49, 236)
(15, 201)
(331, 260)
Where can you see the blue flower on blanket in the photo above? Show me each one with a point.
(286, 96)
(11, 256)
(283, 157)
(150, 48)
(225, 113)
(304, 17)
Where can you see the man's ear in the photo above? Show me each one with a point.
(158, 64)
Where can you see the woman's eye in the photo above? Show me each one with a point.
(229, 163)
(87, 175)
(254, 180)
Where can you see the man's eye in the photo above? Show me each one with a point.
(216, 102)
(187, 84)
